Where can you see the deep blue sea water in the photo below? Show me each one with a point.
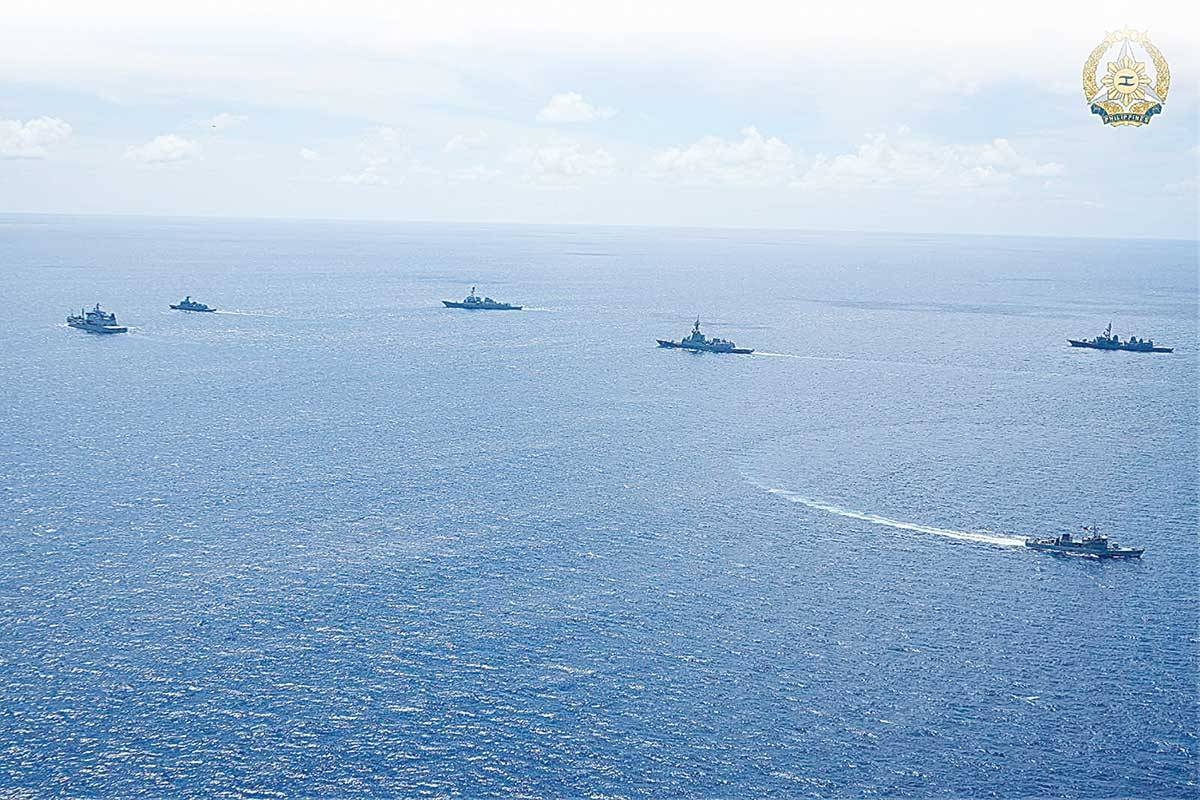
(340, 541)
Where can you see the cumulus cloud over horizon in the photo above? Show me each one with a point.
(898, 159)
(225, 120)
(465, 141)
(563, 160)
(32, 138)
(906, 160)
(570, 107)
(380, 148)
(755, 160)
(372, 173)
(161, 150)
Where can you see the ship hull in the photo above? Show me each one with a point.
(1093, 346)
(480, 306)
(677, 346)
(95, 329)
(201, 310)
(1083, 552)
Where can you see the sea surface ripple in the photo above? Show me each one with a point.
(340, 541)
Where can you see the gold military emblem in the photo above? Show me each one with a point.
(1126, 79)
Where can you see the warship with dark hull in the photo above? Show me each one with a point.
(473, 302)
(698, 342)
(1092, 545)
(1106, 341)
(96, 321)
(188, 304)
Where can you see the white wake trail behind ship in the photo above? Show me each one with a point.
(230, 313)
(965, 536)
(819, 358)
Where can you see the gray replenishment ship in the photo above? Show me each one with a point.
(473, 302)
(698, 342)
(188, 304)
(1092, 545)
(96, 321)
(1106, 341)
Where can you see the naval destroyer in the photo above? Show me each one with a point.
(188, 304)
(698, 342)
(473, 302)
(1106, 341)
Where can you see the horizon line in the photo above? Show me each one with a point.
(633, 226)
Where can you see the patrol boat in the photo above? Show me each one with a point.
(188, 304)
(473, 302)
(1106, 341)
(96, 321)
(698, 342)
(1092, 545)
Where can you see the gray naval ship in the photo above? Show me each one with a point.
(698, 342)
(188, 304)
(473, 302)
(1106, 341)
(96, 321)
(1092, 545)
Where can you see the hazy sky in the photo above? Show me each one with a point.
(894, 116)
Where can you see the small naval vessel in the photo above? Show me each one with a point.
(1092, 545)
(96, 321)
(188, 304)
(698, 342)
(1106, 341)
(475, 303)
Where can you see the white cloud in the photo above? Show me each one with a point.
(475, 174)
(308, 154)
(563, 160)
(755, 160)
(224, 121)
(952, 82)
(372, 174)
(899, 160)
(162, 150)
(465, 141)
(907, 161)
(1000, 154)
(382, 137)
(571, 107)
(31, 139)
(381, 147)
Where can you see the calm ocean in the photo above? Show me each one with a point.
(337, 540)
